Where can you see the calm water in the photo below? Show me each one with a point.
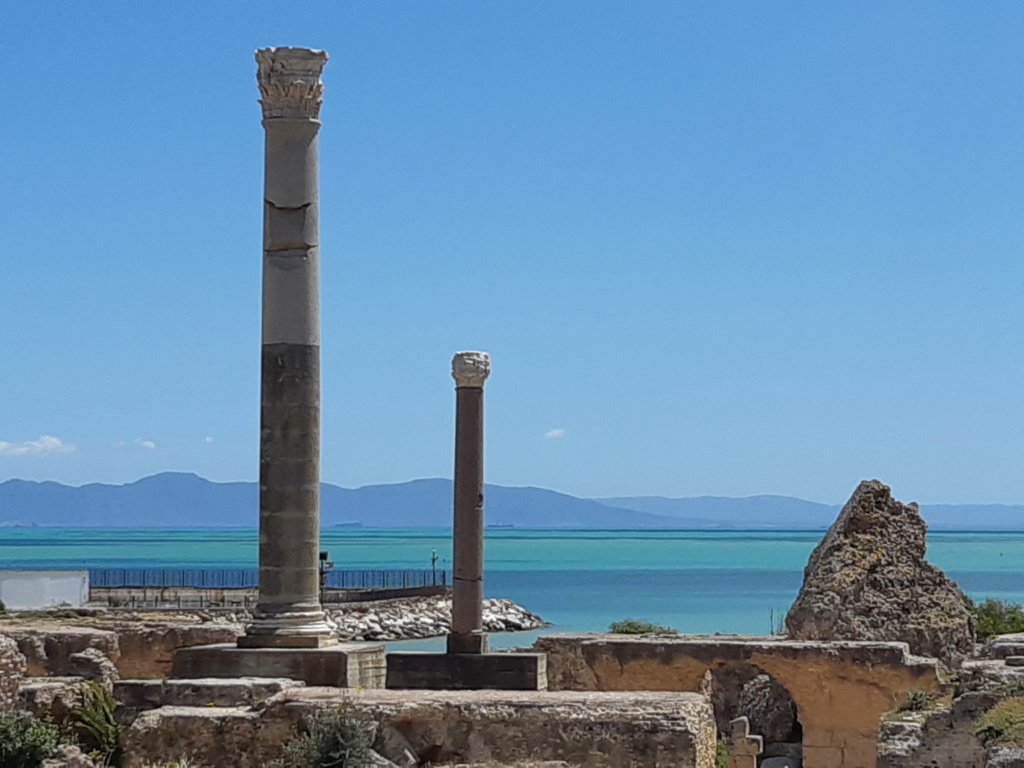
(696, 581)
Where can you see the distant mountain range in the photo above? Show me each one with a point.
(182, 500)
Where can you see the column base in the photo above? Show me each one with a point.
(468, 642)
(286, 641)
(303, 628)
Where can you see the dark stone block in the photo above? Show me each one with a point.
(468, 671)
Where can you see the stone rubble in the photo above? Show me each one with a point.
(422, 617)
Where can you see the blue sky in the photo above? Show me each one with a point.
(712, 248)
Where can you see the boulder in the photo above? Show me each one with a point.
(868, 580)
(768, 706)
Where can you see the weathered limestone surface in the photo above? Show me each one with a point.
(92, 664)
(13, 667)
(868, 580)
(141, 695)
(138, 649)
(69, 757)
(599, 730)
(840, 689)
(147, 649)
(53, 697)
(48, 647)
(943, 736)
(1003, 646)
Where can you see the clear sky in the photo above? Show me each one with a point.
(713, 248)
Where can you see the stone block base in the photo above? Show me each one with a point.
(506, 728)
(286, 641)
(345, 665)
(468, 671)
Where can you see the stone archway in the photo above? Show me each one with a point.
(840, 689)
(744, 690)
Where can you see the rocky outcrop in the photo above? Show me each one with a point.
(868, 580)
(13, 668)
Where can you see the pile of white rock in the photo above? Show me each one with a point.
(418, 617)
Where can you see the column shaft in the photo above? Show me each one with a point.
(468, 533)
(289, 613)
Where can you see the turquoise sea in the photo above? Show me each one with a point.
(696, 581)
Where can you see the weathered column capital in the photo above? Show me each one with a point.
(289, 80)
(471, 369)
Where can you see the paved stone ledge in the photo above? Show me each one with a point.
(142, 695)
(596, 730)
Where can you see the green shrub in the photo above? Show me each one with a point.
(337, 737)
(26, 740)
(96, 725)
(996, 617)
(639, 627)
(1003, 725)
(722, 753)
(918, 701)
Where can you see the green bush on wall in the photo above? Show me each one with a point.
(639, 627)
(996, 617)
(337, 737)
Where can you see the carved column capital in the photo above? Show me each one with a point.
(290, 84)
(471, 369)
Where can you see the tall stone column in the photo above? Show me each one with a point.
(289, 614)
(470, 370)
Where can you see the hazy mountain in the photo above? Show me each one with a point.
(185, 500)
(789, 512)
(725, 512)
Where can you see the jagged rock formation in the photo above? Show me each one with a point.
(868, 580)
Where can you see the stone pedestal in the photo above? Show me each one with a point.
(468, 671)
(343, 665)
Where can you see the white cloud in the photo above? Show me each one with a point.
(44, 446)
(554, 434)
(149, 445)
(208, 440)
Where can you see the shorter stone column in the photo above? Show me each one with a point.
(470, 370)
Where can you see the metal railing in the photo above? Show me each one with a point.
(240, 578)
